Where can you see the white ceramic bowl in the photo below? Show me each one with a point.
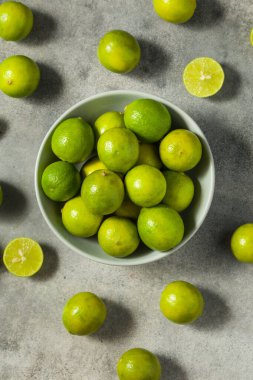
(203, 176)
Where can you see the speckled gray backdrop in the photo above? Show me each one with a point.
(33, 342)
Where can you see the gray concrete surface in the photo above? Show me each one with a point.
(33, 342)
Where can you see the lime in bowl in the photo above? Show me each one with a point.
(203, 176)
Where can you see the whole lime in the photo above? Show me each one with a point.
(242, 243)
(175, 11)
(149, 155)
(84, 314)
(118, 236)
(19, 76)
(160, 228)
(145, 185)
(180, 190)
(73, 140)
(119, 51)
(148, 119)
(118, 149)
(16, 21)
(91, 166)
(180, 150)
(103, 192)
(128, 209)
(181, 302)
(60, 181)
(107, 121)
(1, 195)
(138, 364)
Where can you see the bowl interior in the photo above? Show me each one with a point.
(202, 175)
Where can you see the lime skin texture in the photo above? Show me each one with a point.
(108, 120)
(179, 190)
(16, 21)
(128, 209)
(139, 364)
(148, 119)
(73, 140)
(242, 243)
(91, 166)
(19, 76)
(181, 302)
(175, 11)
(84, 314)
(149, 155)
(119, 51)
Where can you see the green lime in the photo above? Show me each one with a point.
(251, 36)
(181, 302)
(73, 140)
(148, 119)
(91, 166)
(118, 149)
(84, 314)
(118, 236)
(180, 190)
(1, 195)
(139, 364)
(128, 209)
(203, 77)
(119, 51)
(103, 192)
(149, 155)
(16, 21)
(145, 185)
(107, 121)
(23, 257)
(175, 11)
(19, 76)
(160, 228)
(180, 150)
(78, 220)
(242, 243)
(60, 181)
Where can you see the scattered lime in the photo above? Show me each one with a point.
(16, 21)
(180, 190)
(181, 302)
(119, 51)
(23, 257)
(91, 166)
(60, 181)
(242, 243)
(175, 11)
(84, 314)
(1, 195)
(107, 121)
(128, 209)
(203, 77)
(149, 155)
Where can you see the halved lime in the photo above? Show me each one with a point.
(23, 257)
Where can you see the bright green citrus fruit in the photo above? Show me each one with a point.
(160, 228)
(91, 166)
(78, 220)
(242, 243)
(107, 121)
(119, 51)
(145, 185)
(19, 76)
(84, 314)
(128, 209)
(203, 77)
(149, 155)
(180, 150)
(1, 195)
(148, 119)
(73, 140)
(118, 236)
(23, 257)
(16, 21)
(139, 364)
(175, 11)
(181, 302)
(103, 192)
(118, 149)
(251, 36)
(60, 181)
(180, 190)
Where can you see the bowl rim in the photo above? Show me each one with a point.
(122, 262)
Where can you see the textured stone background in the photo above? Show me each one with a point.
(33, 342)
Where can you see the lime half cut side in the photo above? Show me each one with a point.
(203, 77)
(23, 257)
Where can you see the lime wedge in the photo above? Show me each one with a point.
(251, 36)
(203, 77)
(23, 257)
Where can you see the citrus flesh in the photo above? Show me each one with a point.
(181, 302)
(128, 209)
(1, 195)
(107, 121)
(119, 51)
(16, 21)
(148, 119)
(23, 257)
(242, 243)
(180, 150)
(149, 155)
(118, 149)
(160, 228)
(139, 364)
(84, 314)
(73, 140)
(203, 77)
(91, 166)
(60, 181)
(175, 11)
(180, 190)
(118, 236)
